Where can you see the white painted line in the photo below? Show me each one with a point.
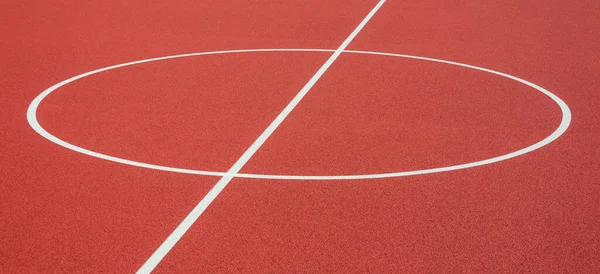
(35, 125)
(168, 244)
(564, 124)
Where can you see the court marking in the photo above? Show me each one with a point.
(563, 126)
(191, 218)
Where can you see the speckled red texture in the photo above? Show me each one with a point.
(67, 212)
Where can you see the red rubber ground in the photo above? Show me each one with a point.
(67, 212)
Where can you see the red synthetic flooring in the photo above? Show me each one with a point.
(67, 212)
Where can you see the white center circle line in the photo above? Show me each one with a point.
(564, 124)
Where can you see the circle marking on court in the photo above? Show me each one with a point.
(564, 124)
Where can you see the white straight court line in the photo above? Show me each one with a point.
(183, 227)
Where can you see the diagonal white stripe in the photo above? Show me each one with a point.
(168, 244)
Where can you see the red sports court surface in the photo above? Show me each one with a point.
(369, 114)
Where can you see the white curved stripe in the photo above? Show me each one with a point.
(564, 124)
